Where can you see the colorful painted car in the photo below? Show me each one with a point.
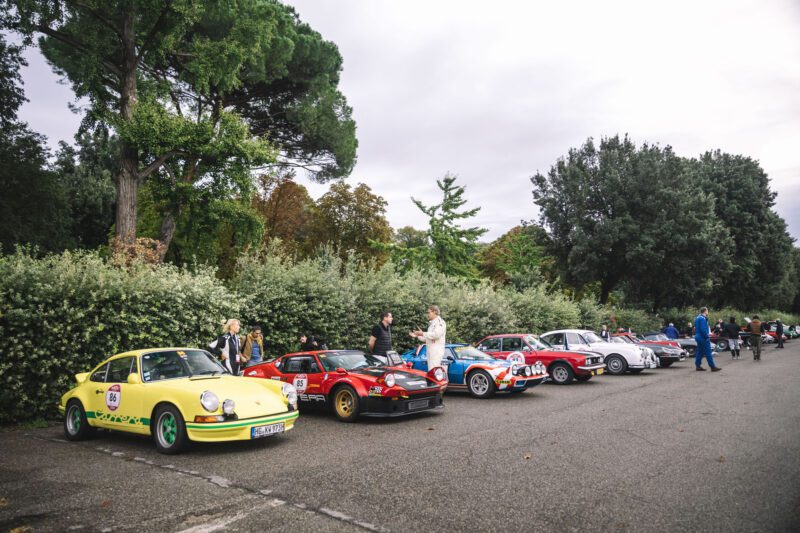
(176, 395)
(562, 366)
(354, 384)
(478, 373)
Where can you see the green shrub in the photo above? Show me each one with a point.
(637, 320)
(538, 311)
(63, 314)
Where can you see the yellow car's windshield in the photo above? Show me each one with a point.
(171, 364)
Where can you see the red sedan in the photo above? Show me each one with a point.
(562, 366)
(354, 384)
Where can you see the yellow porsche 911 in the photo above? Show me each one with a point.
(176, 395)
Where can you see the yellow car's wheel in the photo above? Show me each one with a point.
(345, 403)
(76, 427)
(169, 431)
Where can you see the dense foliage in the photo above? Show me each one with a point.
(62, 314)
(199, 93)
(664, 231)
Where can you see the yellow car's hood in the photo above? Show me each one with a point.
(253, 397)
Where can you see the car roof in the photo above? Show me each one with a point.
(143, 351)
(510, 335)
(317, 352)
(568, 331)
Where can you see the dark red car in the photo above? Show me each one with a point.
(638, 339)
(353, 384)
(562, 366)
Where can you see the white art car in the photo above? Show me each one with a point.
(619, 358)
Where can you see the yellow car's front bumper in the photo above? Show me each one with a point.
(237, 429)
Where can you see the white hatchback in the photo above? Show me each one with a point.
(619, 358)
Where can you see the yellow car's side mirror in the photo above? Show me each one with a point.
(133, 379)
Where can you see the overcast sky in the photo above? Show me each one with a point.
(495, 92)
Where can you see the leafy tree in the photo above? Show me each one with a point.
(198, 92)
(33, 206)
(287, 211)
(350, 220)
(632, 218)
(796, 278)
(761, 251)
(516, 257)
(410, 237)
(86, 175)
(452, 248)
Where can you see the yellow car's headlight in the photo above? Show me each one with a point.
(209, 401)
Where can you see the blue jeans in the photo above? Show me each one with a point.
(703, 349)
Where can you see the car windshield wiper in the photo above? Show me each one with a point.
(207, 372)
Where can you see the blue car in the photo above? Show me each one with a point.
(482, 375)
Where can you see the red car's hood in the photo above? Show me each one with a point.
(406, 378)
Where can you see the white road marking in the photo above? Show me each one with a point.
(226, 483)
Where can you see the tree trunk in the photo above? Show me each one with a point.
(605, 290)
(127, 196)
(166, 234)
(127, 179)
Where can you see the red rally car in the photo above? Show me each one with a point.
(562, 366)
(352, 383)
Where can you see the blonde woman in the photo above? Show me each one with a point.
(228, 347)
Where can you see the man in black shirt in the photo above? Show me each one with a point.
(380, 339)
(731, 332)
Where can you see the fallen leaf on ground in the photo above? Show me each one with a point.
(3, 503)
(105, 503)
(527, 456)
(681, 430)
(431, 428)
(721, 459)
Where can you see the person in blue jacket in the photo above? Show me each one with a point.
(702, 334)
(671, 331)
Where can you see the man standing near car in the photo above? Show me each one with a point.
(604, 334)
(671, 332)
(702, 335)
(779, 332)
(434, 338)
(731, 332)
(754, 327)
(380, 339)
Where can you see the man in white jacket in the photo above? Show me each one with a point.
(434, 337)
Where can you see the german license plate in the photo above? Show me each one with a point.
(418, 404)
(598, 371)
(265, 431)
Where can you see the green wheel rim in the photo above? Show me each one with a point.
(74, 420)
(168, 429)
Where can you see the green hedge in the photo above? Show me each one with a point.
(63, 314)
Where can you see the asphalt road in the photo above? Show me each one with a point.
(666, 450)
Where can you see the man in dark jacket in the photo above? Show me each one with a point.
(731, 332)
(779, 332)
(755, 328)
(380, 338)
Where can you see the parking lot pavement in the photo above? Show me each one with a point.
(666, 450)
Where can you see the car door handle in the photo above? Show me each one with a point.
(98, 391)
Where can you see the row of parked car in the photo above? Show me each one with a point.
(178, 395)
